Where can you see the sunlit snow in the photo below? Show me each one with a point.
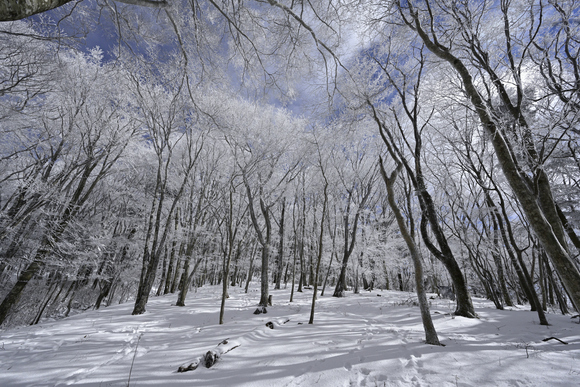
(368, 339)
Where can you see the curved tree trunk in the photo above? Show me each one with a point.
(430, 332)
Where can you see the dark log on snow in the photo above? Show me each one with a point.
(211, 357)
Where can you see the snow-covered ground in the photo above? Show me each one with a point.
(371, 339)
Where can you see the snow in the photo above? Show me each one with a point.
(368, 339)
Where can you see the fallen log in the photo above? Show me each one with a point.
(211, 357)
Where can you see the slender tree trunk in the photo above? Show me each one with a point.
(349, 245)
(327, 274)
(430, 332)
(561, 300)
(280, 260)
(429, 218)
(319, 255)
(519, 264)
(499, 265)
(225, 282)
(249, 278)
(301, 256)
(163, 279)
(293, 273)
(44, 304)
(169, 275)
(264, 294)
(251, 268)
(264, 240)
(175, 282)
(105, 289)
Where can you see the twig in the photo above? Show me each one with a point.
(555, 338)
(133, 361)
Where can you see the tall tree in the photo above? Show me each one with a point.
(510, 133)
(177, 143)
(87, 132)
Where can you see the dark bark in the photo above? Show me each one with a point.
(294, 253)
(158, 231)
(320, 249)
(13, 296)
(170, 275)
(187, 280)
(178, 276)
(280, 260)
(163, 279)
(517, 259)
(264, 239)
(498, 261)
(105, 289)
(350, 232)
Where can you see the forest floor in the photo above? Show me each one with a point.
(368, 339)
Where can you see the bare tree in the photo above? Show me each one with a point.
(89, 135)
(521, 162)
(172, 138)
(430, 332)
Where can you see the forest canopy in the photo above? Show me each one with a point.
(421, 145)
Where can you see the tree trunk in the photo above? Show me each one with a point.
(429, 214)
(280, 261)
(226, 269)
(263, 239)
(176, 282)
(264, 294)
(170, 275)
(327, 274)
(319, 255)
(163, 278)
(105, 289)
(430, 332)
(349, 245)
(499, 265)
(13, 296)
(186, 282)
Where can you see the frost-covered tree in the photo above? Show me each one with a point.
(79, 132)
